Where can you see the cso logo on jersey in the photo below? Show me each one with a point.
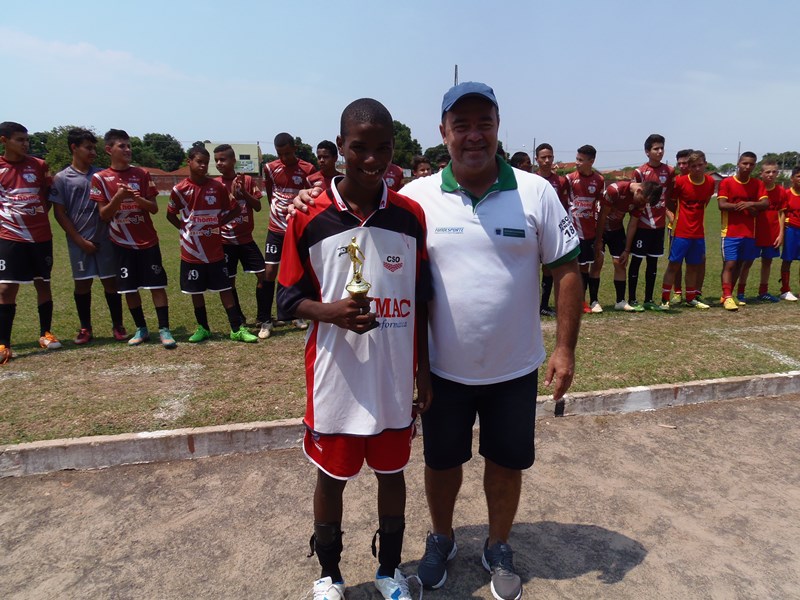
(211, 199)
(29, 177)
(592, 189)
(389, 181)
(393, 263)
(297, 180)
(662, 179)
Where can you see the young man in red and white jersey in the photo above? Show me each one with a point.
(284, 177)
(740, 198)
(620, 198)
(326, 158)
(648, 241)
(769, 235)
(26, 241)
(362, 352)
(127, 197)
(791, 235)
(394, 177)
(585, 187)
(692, 194)
(200, 207)
(681, 168)
(237, 234)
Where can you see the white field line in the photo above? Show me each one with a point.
(736, 334)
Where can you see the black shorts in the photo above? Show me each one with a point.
(615, 240)
(507, 413)
(586, 257)
(199, 278)
(139, 269)
(22, 262)
(248, 254)
(648, 242)
(273, 248)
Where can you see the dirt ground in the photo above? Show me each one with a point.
(615, 507)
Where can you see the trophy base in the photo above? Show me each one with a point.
(357, 289)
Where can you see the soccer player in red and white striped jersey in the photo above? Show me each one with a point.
(544, 159)
(326, 158)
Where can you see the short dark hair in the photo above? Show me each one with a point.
(329, 146)
(517, 158)
(748, 155)
(365, 110)
(653, 139)
(223, 148)
(652, 192)
(283, 139)
(542, 146)
(79, 135)
(683, 153)
(195, 150)
(419, 160)
(9, 128)
(796, 170)
(115, 135)
(587, 150)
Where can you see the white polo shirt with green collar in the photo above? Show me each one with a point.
(485, 256)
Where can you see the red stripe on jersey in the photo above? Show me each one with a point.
(619, 198)
(283, 184)
(131, 226)
(240, 230)
(585, 196)
(655, 217)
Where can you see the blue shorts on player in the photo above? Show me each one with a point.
(791, 243)
(692, 250)
(738, 248)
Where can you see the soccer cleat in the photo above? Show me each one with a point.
(636, 307)
(586, 309)
(695, 303)
(730, 304)
(623, 305)
(325, 589)
(432, 569)
(677, 296)
(200, 335)
(265, 331)
(788, 296)
(393, 588)
(499, 561)
(767, 297)
(84, 337)
(5, 354)
(49, 342)
(546, 311)
(140, 336)
(166, 338)
(300, 324)
(655, 307)
(242, 335)
(740, 300)
(596, 308)
(120, 334)
(278, 323)
(665, 306)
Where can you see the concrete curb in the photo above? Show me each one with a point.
(102, 451)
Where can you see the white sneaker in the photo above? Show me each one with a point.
(595, 307)
(394, 588)
(789, 297)
(325, 589)
(265, 331)
(300, 324)
(623, 305)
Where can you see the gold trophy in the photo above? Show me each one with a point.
(358, 286)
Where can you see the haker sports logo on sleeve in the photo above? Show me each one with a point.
(393, 263)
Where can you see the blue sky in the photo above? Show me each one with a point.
(707, 75)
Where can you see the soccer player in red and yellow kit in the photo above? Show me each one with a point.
(692, 194)
(648, 241)
(682, 168)
(26, 241)
(769, 234)
(740, 198)
(127, 198)
(326, 158)
(791, 237)
(283, 180)
(585, 187)
(199, 207)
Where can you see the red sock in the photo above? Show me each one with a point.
(726, 290)
(665, 293)
(678, 290)
(785, 281)
(762, 289)
(691, 295)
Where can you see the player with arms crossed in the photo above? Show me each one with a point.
(91, 254)
(26, 240)
(360, 377)
(127, 197)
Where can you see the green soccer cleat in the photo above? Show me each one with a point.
(242, 335)
(655, 307)
(200, 335)
(636, 307)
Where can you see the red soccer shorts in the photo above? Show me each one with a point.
(341, 456)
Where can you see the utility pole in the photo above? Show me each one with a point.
(455, 76)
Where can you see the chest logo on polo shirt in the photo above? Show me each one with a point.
(509, 232)
(393, 263)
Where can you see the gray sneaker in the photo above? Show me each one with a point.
(499, 561)
(432, 569)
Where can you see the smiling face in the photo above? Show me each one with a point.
(120, 152)
(83, 154)
(470, 131)
(225, 162)
(367, 149)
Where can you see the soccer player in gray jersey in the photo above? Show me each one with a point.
(90, 252)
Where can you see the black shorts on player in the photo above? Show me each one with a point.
(22, 262)
(648, 242)
(139, 269)
(247, 254)
(273, 248)
(586, 257)
(199, 278)
(615, 240)
(507, 413)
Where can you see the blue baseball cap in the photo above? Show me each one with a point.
(468, 88)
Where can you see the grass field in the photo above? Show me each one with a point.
(108, 387)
